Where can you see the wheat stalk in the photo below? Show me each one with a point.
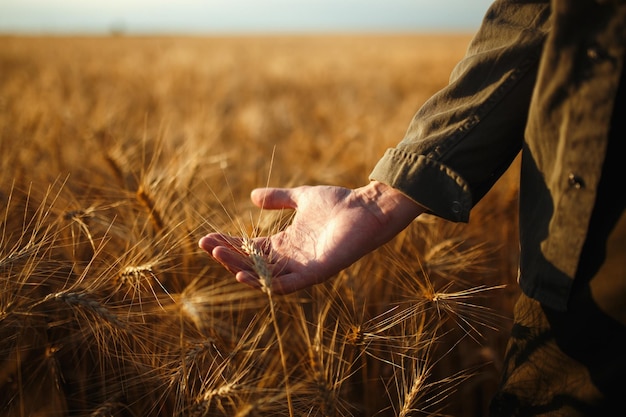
(261, 267)
(327, 367)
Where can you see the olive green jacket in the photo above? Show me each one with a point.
(540, 77)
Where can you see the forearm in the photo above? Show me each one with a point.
(465, 136)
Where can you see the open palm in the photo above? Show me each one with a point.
(332, 228)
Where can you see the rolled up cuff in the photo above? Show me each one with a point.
(429, 183)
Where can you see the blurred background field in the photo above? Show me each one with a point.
(118, 153)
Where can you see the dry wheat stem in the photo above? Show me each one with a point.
(415, 393)
(260, 266)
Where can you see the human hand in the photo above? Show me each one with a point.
(332, 228)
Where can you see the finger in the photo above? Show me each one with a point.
(231, 259)
(284, 285)
(274, 198)
(281, 284)
(213, 240)
(248, 278)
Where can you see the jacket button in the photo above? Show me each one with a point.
(456, 207)
(574, 181)
(593, 53)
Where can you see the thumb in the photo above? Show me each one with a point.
(274, 198)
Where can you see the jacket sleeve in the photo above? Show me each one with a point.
(465, 136)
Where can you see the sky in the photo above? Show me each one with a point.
(239, 16)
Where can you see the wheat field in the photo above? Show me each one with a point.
(118, 153)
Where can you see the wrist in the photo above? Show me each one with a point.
(392, 206)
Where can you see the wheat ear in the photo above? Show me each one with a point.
(259, 265)
(148, 202)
